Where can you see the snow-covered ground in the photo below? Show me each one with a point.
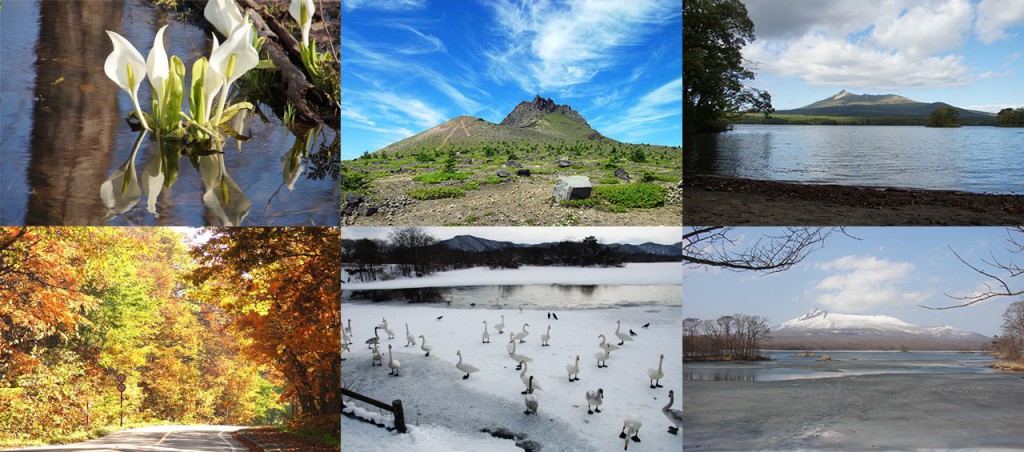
(633, 274)
(448, 413)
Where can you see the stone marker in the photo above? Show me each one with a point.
(572, 187)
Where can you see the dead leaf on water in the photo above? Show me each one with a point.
(85, 87)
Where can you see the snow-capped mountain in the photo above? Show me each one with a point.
(818, 322)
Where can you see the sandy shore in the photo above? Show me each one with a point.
(712, 200)
(881, 412)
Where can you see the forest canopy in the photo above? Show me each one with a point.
(78, 306)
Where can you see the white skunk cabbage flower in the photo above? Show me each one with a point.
(302, 11)
(126, 68)
(224, 15)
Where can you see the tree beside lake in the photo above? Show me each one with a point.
(944, 116)
(1010, 117)
(713, 67)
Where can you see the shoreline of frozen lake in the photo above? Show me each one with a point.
(661, 273)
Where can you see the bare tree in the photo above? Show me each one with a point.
(1000, 272)
(1013, 332)
(726, 247)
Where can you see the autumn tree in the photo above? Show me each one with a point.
(281, 288)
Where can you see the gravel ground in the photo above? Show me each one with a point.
(517, 202)
(722, 200)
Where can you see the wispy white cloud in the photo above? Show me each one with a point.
(864, 283)
(414, 109)
(651, 113)
(1012, 58)
(826, 61)
(369, 60)
(556, 45)
(386, 5)
(429, 44)
(991, 108)
(995, 16)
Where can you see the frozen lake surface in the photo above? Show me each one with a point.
(881, 401)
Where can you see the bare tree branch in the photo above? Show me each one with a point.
(725, 247)
(997, 286)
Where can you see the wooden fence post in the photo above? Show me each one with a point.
(399, 416)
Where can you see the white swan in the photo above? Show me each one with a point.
(573, 369)
(545, 337)
(344, 348)
(656, 374)
(383, 323)
(595, 398)
(377, 357)
(527, 379)
(424, 346)
(373, 340)
(467, 368)
(531, 400)
(409, 338)
(391, 334)
(392, 363)
(602, 357)
(500, 326)
(522, 334)
(631, 429)
(348, 329)
(486, 337)
(606, 345)
(519, 358)
(511, 343)
(676, 416)
(623, 337)
(345, 339)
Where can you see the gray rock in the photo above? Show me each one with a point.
(513, 164)
(572, 187)
(523, 172)
(353, 199)
(563, 162)
(621, 174)
(367, 211)
(504, 173)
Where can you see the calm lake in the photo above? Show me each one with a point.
(62, 128)
(785, 366)
(530, 296)
(974, 159)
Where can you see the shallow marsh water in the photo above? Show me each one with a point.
(62, 129)
(785, 366)
(975, 159)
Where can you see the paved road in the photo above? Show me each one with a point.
(167, 438)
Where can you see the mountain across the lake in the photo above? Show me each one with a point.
(845, 103)
(818, 329)
(538, 121)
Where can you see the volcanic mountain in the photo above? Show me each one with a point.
(539, 121)
(845, 103)
(869, 331)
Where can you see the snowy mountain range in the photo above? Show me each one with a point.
(823, 323)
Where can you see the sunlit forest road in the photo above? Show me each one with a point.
(168, 438)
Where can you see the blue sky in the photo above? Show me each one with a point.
(890, 271)
(408, 65)
(963, 52)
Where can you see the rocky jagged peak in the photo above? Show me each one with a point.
(814, 312)
(841, 94)
(527, 113)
